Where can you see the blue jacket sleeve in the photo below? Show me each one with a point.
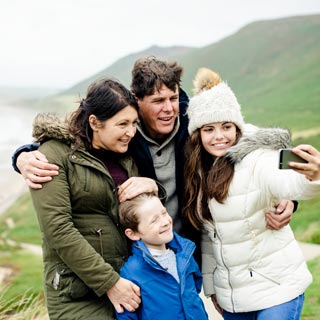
(197, 276)
(24, 148)
(126, 315)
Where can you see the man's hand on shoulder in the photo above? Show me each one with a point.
(35, 168)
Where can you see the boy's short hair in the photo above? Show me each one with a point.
(150, 73)
(128, 210)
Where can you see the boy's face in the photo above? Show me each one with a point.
(159, 111)
(155, 226)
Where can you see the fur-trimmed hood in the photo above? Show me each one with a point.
(265, 138)
(50, 126)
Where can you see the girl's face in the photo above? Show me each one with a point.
(218, 137)
(155, 225)
(115, 133)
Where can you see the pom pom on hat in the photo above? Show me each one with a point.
(214, 102)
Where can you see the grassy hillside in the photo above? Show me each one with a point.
(273, 67)
(121, 69)
(68, 100)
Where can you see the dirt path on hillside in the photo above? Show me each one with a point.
(11, 190)
(306, 133)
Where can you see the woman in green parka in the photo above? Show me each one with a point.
(83, 244)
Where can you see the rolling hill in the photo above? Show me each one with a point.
(273, 66)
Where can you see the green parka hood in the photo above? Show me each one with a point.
(51, 126)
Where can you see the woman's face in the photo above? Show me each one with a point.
(218, 137)
(115, 133)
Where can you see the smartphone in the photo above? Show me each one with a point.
(285, 156)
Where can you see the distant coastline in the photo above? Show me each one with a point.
(16, 127)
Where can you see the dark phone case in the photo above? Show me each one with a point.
(286, 156)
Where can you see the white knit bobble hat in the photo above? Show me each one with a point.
(218, 104)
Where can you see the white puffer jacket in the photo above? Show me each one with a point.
(248, 266)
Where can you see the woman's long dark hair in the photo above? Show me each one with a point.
(206, 177)
(105, 97)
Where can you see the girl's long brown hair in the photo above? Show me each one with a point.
(206, 177)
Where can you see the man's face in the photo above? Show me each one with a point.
(159, 111)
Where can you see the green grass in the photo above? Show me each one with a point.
(305, 222)
(26, 228)
(22, 294)
(27, 271)
(275, 77)
(27, 307)
(311, 308)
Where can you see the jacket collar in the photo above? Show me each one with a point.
(177, 244)
(259, 138)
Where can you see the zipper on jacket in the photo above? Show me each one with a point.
(229, 281)
(251, 270)
(215, 235)
(99, 232)
(159, 266)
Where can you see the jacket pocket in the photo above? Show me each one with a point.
(254, 271)
(68, 284)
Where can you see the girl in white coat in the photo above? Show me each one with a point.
(249, 271)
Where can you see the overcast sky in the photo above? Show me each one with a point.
(57, 43)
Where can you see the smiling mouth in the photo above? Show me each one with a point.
(166, 231)
(125, 143)
(219, 145)
(166, 119)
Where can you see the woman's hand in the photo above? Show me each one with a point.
(216, 304)
(124, 294)
(135, 186)
(311, 169)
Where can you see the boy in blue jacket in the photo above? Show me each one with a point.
(161, 263)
